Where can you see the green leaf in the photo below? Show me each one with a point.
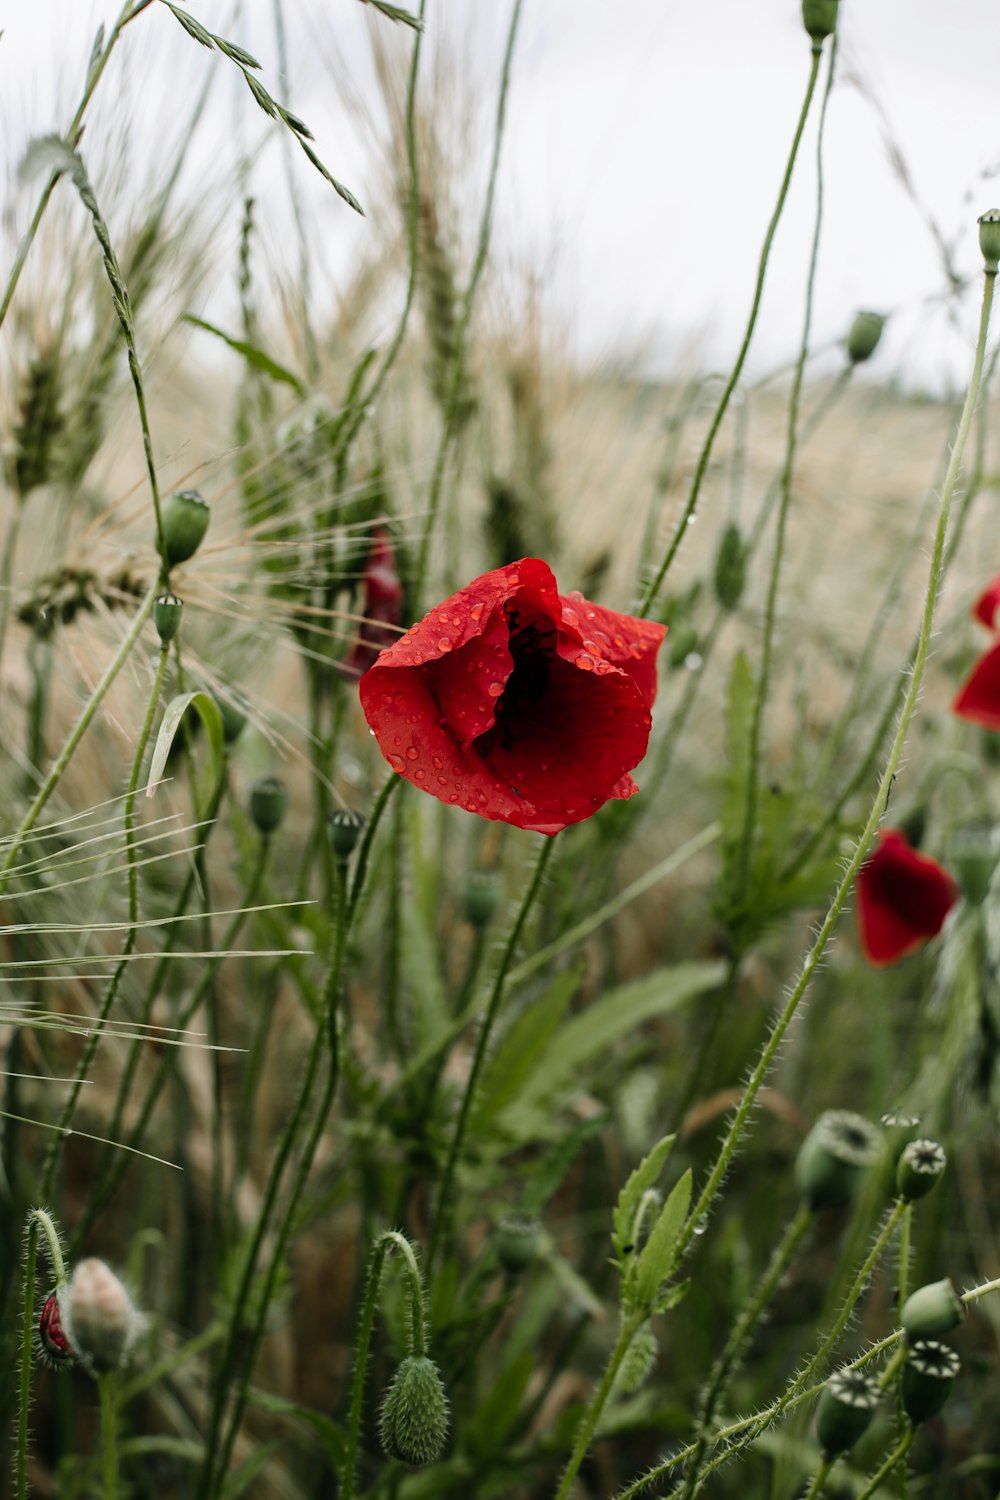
(255, 358)
(642, 1179)
(331, 1434)
(244, 1476)
(523, 1048)
(208, 711)
(657, 1259)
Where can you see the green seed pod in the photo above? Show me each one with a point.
(730, 567)
(480, 898)
(233, 719)
(167, 611)
(846, 1407)
(819, 17)
(518, 1242)
(344, 827)
(989, 237)
(682, 641)
(185, 521)
(414, 1420)
(834, 1156)
(928, 1378)
(268, 803)
(863, 336)
(918, 1169)
(932, 1310)
(637, 1366)
(973, 859)
(900, 1129)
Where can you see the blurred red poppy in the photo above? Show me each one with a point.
(903, 899)
(516, 702)
(985, 607)
(979, 698)
(381, 604)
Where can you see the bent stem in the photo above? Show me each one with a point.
(443, 1209)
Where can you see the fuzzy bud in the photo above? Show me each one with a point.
(863, 336)
(989, 237)
(846, 1407)
(167, 611)
(834, 1156)
(185, 519)
(730, 567)
(819, 17)
(919, 1168)
(98, 1318)
(268, 803)
(480, 897)
(932, 1310)
(414, 1420)
(929, 1375)
(518, 1243)
(344, 828)
(52, 1335)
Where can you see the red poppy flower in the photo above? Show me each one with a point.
(517, 702)
(985, 607)
(903, 899)
(979, 698)
(381, 604)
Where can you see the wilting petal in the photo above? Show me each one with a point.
(903, 899)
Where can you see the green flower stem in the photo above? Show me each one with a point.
(778, 549)
(815, 954)
(7, 569)
(16, 842)
(367, 838)
(981, 1291)
(701, 467)
(903, 1279)
(742, 1330)
(391, 1240)
(27, 1350)
(455, 373)
(83, 1069)
(442, 1210)
(588, 1422)
(820, 1478)
(898, 1455)
(108, 1385)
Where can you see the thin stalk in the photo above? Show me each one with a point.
(701, 467)
(898, 1455)
(442, 1210)
(108, 1385)
(7, 569)
(820, 1478)
(27, 1350)
(588, 1423)
(903, 1278)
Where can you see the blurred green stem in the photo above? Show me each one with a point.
(897, 1456)
(108, 1385)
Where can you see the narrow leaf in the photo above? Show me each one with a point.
(644, 1177)
(656, 1261)
(254, 357)
(208, 711)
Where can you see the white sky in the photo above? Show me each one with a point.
(645, 145)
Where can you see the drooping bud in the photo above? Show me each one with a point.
(730, 567)
(846, 1407)
(819, 17)
(414, 1420)
(51, 1334)
(480, 897)
(268, 803)
(167, 612)
(919, 1168)
(932, 1310)
(98, 1318)
(834, 1157)
(518, 1243)
(928, 1378)
(185, 518)
(989, 237)
(344, 828)
(863, 336)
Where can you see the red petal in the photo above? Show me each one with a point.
(985, 607)
(903, 899)
(979, 699)
(621, 640)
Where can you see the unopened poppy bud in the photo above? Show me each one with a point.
(932, 1310)
(819, 17)
(414, 1421)
(928, 1378)
(167, 611)
(637, 1366)
(233, 719)
(863, 336)
(683, 640)
(973, 857)
(268, 803)
(919, 1168)
(834, 1156)
(900, 1128)
(480, 897)
(989, 237)
(51, 1334)
(518, 1243)
(185, 519)
(730, 567)
(98, 1318)
(846, 1407)
(344, 828)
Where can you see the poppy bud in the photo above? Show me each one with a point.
(344, 828)
(989, 237)
(518, 1242)
(974, 858)
(167, 611)
(683, 640)
(637, 1366)
(846, 1407)
(863, 336)
(268, 803)
(480, 898)
(414, 1421)
(819, 17)
(233, 719)
(932, 1310)
(98, 1318)
(52, 1335)
(928, 1377)
(900, 1129)
(834, 1155)
(185, 519)
(919, 1168)
(730, 567)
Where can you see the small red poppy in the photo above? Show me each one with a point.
(381, 603)
(516, 702)
(979, 698)
(985, 607)
(903, 899)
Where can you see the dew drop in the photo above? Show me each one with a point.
(693, 661)
(453, 797)
(495, 689)
(592, 647)
(570, 615)
(585, 662)
(444, 644)
(419, 775)
(437, 762)
(476, 613)
(701, 1225)
(412, 752)
(456, 770)
(67, 1130)
(397, 739)
(417, 659)
(690, 521)
(442, 781)
(574, 594)
(397, 762)
(591, 615)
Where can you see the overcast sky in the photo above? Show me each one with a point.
(645, 145)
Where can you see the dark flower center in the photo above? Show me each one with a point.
(532, 645)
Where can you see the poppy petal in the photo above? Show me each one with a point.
(903, 899)
(979, 698)
(985, 607)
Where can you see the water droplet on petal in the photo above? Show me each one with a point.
(574, 594)
(585, 662)
(397, 762)
(453, 797)
(570, 615)
(412, 752)
(444, 644)
(495, 689)
(417, 659)
(476, 613)
(442, 781)
(419, 775)
(397, 739)
(592, 647)
(437, 762)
